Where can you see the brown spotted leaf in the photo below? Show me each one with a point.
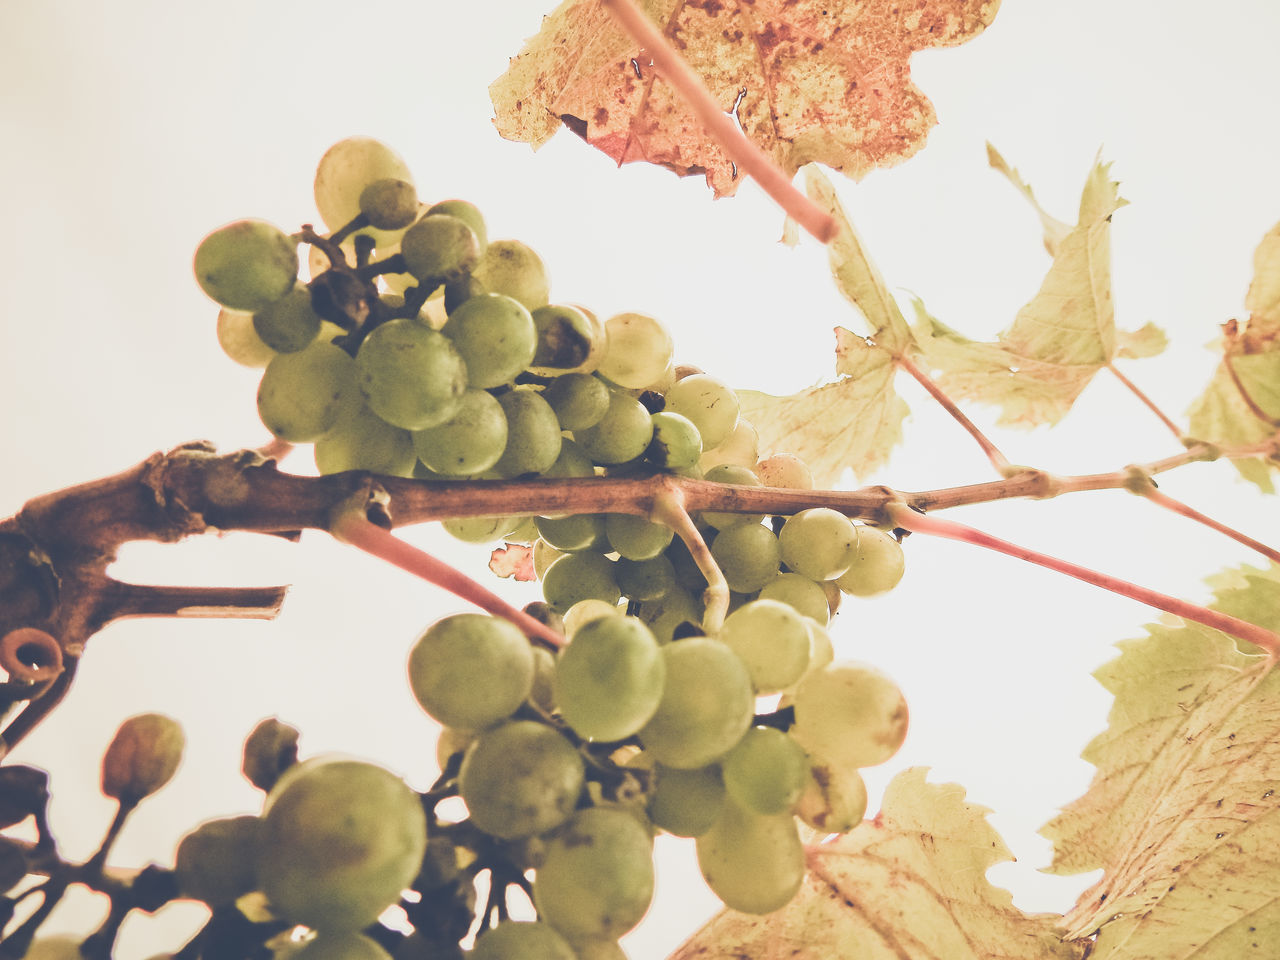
(513, 560)
(809, 80)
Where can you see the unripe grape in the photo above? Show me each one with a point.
(876, 564)
(570, 340)
(269, 750)
(753, 862)
(686, 803)
(142, 757)
(468, 213)
(389, 203)
(817, 543)
(635, 537)
(410, 374)
(772, 640)
(287, 325)
(747, 554)
(803, 595)
(785, 470)
(621, 435)
(215, 861)
(740, 448)
(676, 444)
(439, 249)
(834, 798)
(765, 771)
(584, 611)
(709, 403)
(533, 434)
(851, 714)
(345, 170)
(740, 476)
(520, 779)
(246, 265)
(361, 440)
(512, 940)
(579, 400)
(609, 678)
(240, 341)
(303, 395)
(639, 349)
(469, 442)
(512, 268)
(471, 670)
(340, 945)
(580, 576)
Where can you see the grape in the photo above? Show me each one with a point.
(609, 678)
(706, 706)
(645, 579)
(389, 204)
(766, 771)
(579, 576)
(621, 435)
(636, 537)
(471, 670)
(578, 399)
(142, 757)
(303, 394)
(740, 448)
(468, 213)
(570, 339)
(519, 779)
(687, 572)
(480, 529)
(817, 543)
(747, 554)
(582, 531)
(288, 324)
(821, 651)
(710, 404)
(772, 640)
(495, 336)
(876, 565)
(541, 693)
(834, 799)
(599, 950)
(533, 434)
(803, 595)
(754, 863)
(596, 880)
(215, 860)
(241, 342)
(411, 375)
(439, 249)
(742, 476)
(512, 940)
(345, 170)
(544, 555)
(686, 802)
(340, 945)
(360, 440)
(583, 612)
(54, 948)
(452, 741)
(676, 444)
(340, 840)
(638, 351)
(469, 442)
(246, 265)
(851, 714)
(785, 470)
(665, 613)
(510, 267)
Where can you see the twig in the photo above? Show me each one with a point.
(717, 124)
(903, 516)
(1150, 404)
(1177, 506)
(1247, 397)
(669, 510)
(998, 459)
(136, 600)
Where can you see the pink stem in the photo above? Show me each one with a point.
(717, 124)
(1150, 404)
(998, 459)
(1178, 507)
(356, 530)
(903, 516)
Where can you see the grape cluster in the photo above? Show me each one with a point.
(419, 348)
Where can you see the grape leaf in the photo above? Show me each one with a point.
(853, 422)
(1037, 367)
(1223, 414)
(1055, 231)
(807, 80)
(1183, 813)
(513, 560)
(909, 885)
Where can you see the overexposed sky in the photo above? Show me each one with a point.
(129, 130)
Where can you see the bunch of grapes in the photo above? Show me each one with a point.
(421, 349)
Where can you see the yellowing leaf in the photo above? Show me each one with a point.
(1055, 231)
(1184, 810)
(1060, 339)
(909, 885)
(808, 80)
(853, 422)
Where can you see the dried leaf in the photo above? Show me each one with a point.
(1055, 231)
(513, 560)
(909, 885)
(808, 81)
(1183, 813)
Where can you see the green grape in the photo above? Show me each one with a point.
(339, 841)
(766, 771)
(533, 434)
(635, 537)
(570, 340)
(54, 948)
(736, 474)
(581, 531)
(706, 706)
(241, 342)
(579, 400)
(817, 543)
(803, 595)
(686, 802)
(785, 470)
(876, 564)
(468, 213)
(214, 862)
(542, 693)
(471, 670)
(361, 440)
(664, 614)
(666, 380)
(495, 336)
(511, 268)
(740, 448)
(246, 265)
(609, 678)
(525, 533)
(514, 940)
(439, 249)
(638, 351)
(821, 652)
(469, 442)
(851, 714)
(772, 640)
(410, 374)
(288, 324)
(710, 404)
(599, 950)
(452, 741)
(621, 435)
(480, 529)
(747, 554)
(584, 611)
(752, 862)
(544, 555)
(340, 945)
(676, 444)
(303, 394)
(834, 799)
(520, 779)
(645, 579)
(579, 576)
(596, 880)
(389, 204)
(345, 170)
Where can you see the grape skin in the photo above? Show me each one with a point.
(246, 265)
(520, 779)
(850, 713)
(609, 678)
(752, 862)
(471, 670)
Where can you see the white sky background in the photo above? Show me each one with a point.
(129, 130)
